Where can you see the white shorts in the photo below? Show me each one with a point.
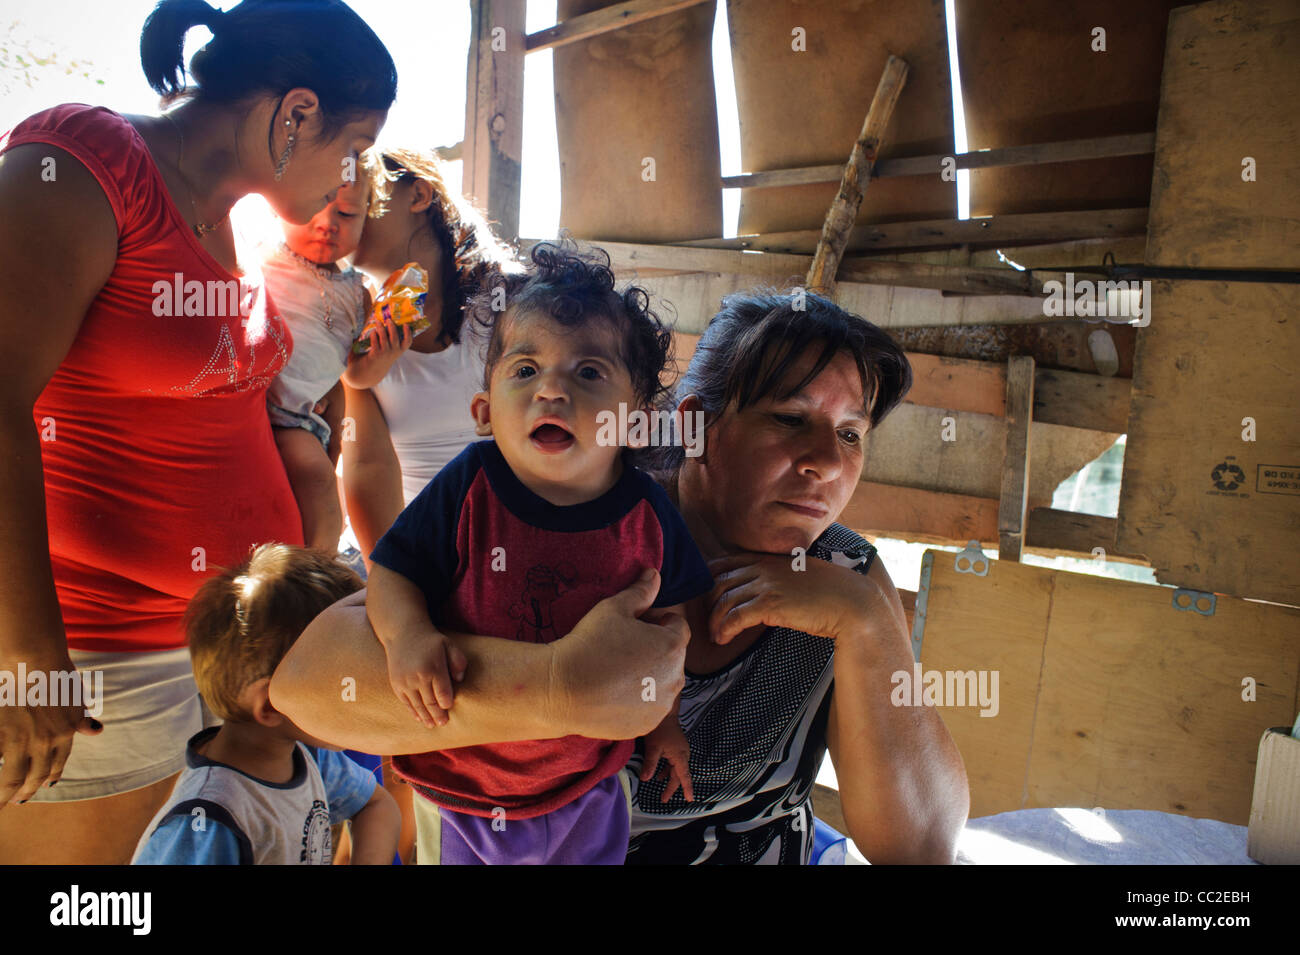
(151, 707)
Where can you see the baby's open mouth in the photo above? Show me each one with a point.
(551, 437)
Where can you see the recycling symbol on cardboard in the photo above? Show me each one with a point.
(1227, 477)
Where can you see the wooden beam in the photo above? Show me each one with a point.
(1104, 147)
(958, 384)
(800, 176)
(494, 111)
(974, 280)
(857, 173)
(939, 517)
(1082, 400)
(961, 279)
(1067, 531)
(937, 233)
(1075, 399)
(600, 21)
(915, 514)
(1015, 461)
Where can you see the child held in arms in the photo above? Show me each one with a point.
(326, 308)
(257, 790)
(519, 537)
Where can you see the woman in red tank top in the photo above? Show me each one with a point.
(135, 450)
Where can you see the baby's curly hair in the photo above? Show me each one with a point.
(574, 286)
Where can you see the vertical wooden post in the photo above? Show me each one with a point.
(1015, 462)
(857, 173)
(494, 111)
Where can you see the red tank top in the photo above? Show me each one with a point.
(159, 461)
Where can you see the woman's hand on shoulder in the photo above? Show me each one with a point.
(797, 592)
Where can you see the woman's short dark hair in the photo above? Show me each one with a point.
(271, 47)
(750, 346)
(575, 286)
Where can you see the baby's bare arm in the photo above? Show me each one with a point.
(423, 665)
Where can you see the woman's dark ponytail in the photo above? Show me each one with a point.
(162, 42)
(269, 47)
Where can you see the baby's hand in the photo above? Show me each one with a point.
(421, 670)
(667, 742)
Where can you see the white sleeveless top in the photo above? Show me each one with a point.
(425, 400)
(323, 309)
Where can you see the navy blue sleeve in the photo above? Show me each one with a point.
(188, 837)
(684, 574)
(421, 544)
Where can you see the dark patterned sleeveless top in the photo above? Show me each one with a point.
(757, 730)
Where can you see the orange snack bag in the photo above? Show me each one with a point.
(400, 301)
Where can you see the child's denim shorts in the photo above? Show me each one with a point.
(312, 422)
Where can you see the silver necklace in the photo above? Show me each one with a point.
(320, 274)
(200, 228)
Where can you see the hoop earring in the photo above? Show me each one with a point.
(285, 156)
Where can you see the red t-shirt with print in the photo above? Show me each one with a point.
(158, 456)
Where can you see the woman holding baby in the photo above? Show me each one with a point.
(788, 657)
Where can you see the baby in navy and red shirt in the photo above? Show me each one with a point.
(519, 537)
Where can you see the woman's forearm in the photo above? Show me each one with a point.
(902, 783)
(31, 625)
(333, 684)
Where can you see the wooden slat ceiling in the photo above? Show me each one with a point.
(806, 108)
(1029, 75)
(644, 90)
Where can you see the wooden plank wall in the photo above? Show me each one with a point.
(1198, 497)
(1108, 696)
(805, 107)
(641, 91)
(1029, 75)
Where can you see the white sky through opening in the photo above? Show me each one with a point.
(958, 109)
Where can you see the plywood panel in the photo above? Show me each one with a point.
(642, 91)
(805, 108)
(1209, 507)
(1141, 704)
(998, 622)
(1108, 696)
(1029, 75)
(1196, 498)
(1232, 84)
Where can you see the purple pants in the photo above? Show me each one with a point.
(591, 830)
